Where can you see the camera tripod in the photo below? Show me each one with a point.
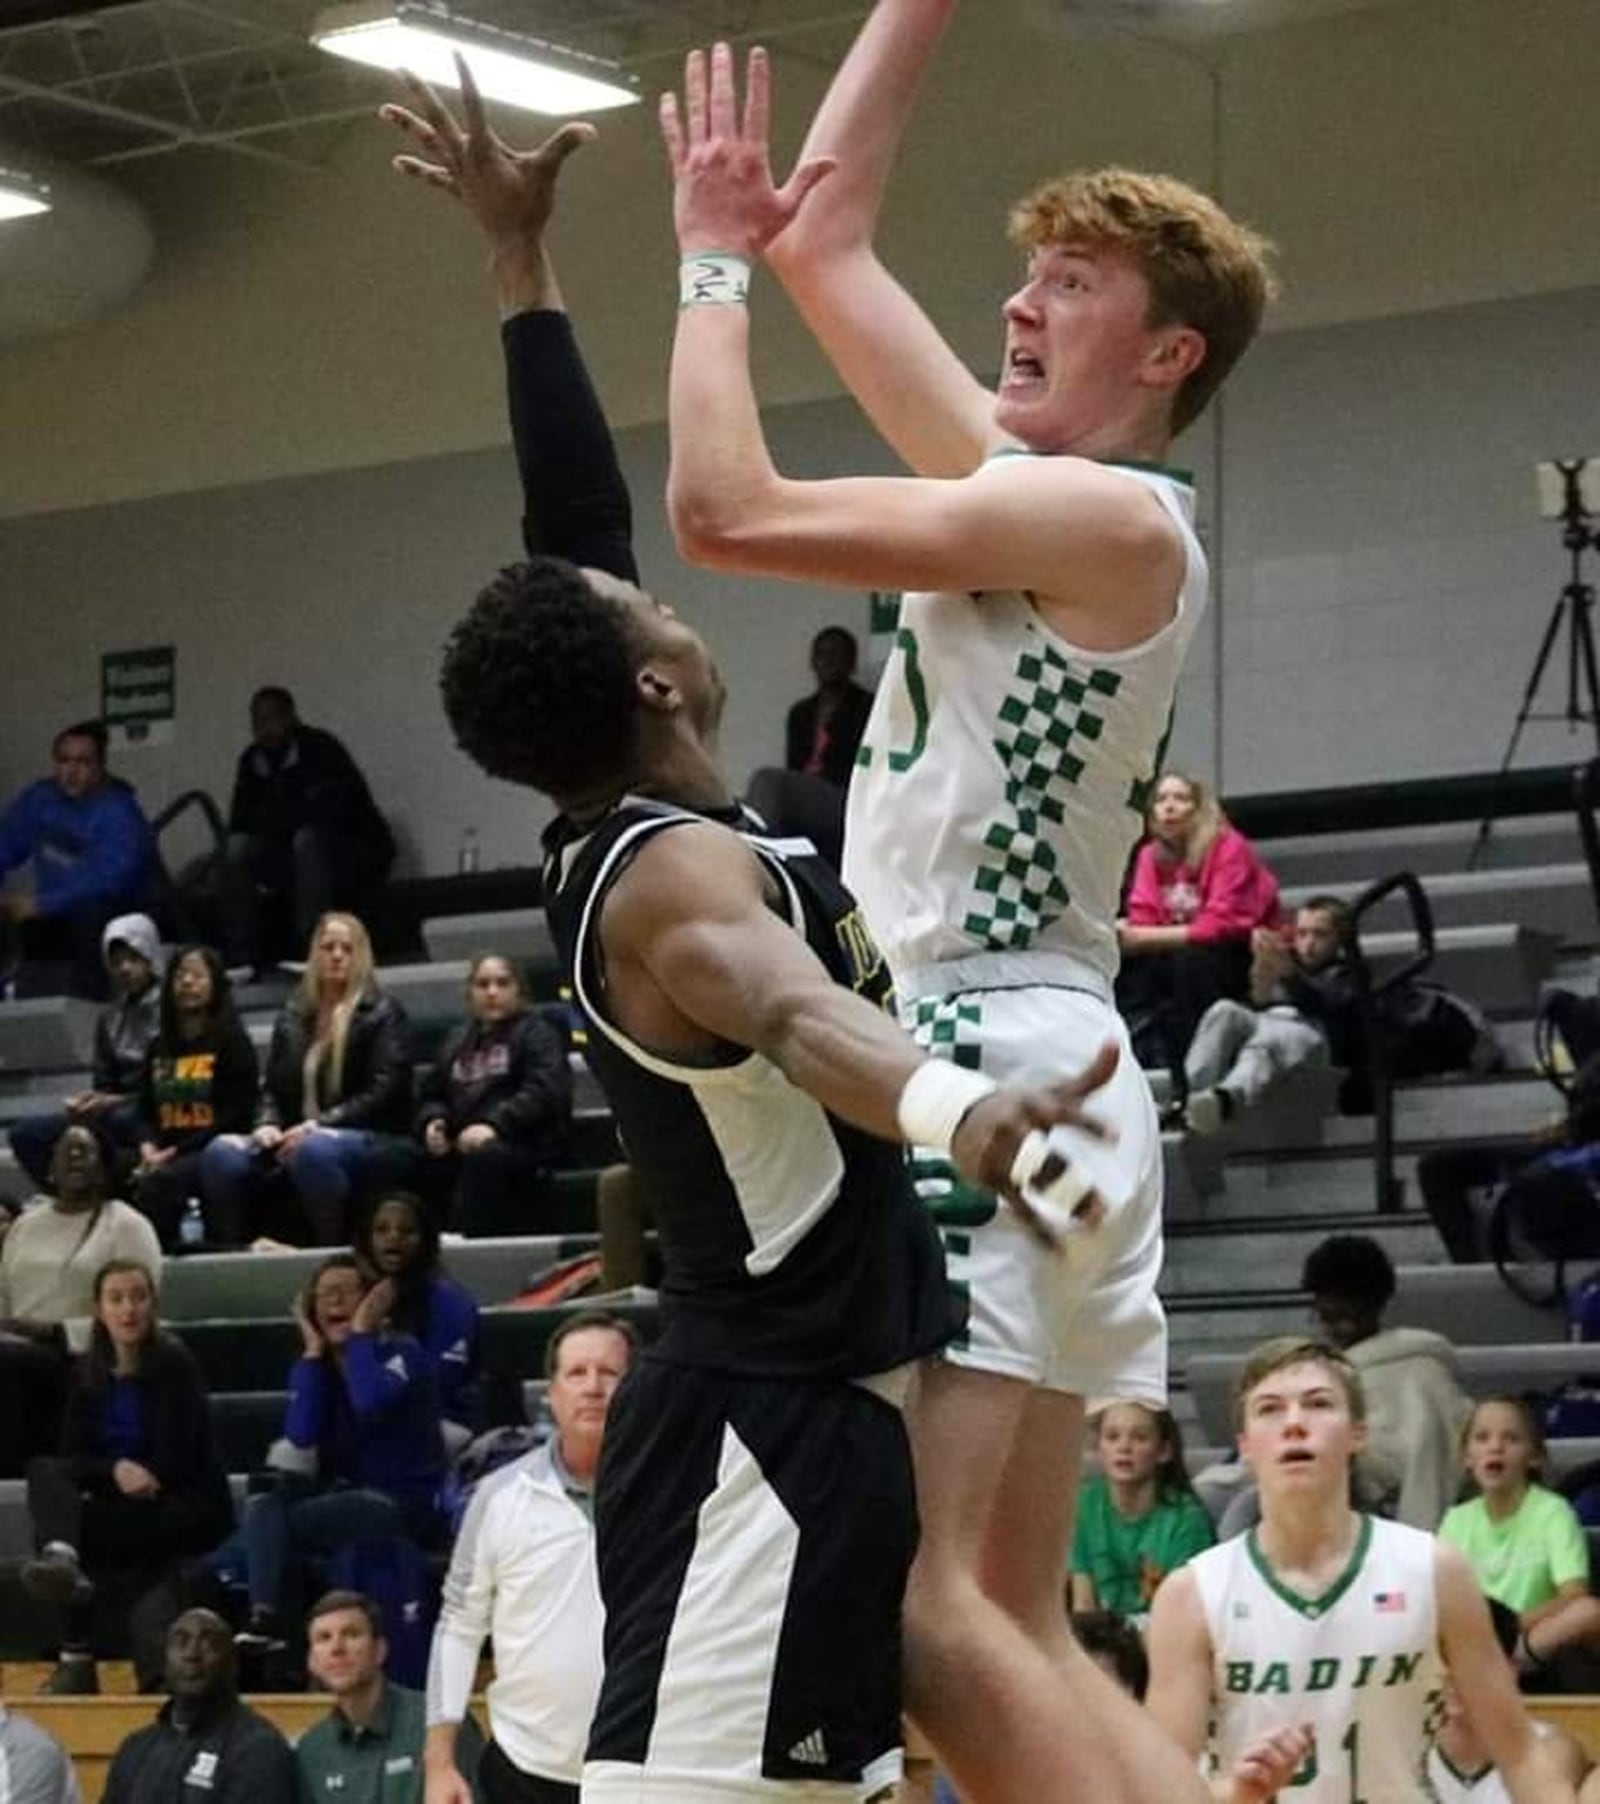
(1574, 608)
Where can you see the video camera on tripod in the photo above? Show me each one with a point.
(1569, 491)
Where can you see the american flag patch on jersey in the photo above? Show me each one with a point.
(1387, 1602)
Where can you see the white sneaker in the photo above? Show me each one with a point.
(1206, 1113)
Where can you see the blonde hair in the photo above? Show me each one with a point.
(1203, 269)
(308, 994)
(1531, 1426)
(1209, 817)
(1286, 1350)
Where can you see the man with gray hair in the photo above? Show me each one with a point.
(523, 1572)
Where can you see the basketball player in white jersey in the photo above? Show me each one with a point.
(996, 797)
(1325, 1619)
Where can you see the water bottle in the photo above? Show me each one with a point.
(467, 853)
(192, 1229)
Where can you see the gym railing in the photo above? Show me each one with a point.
(1370, 994)
(1586, 797)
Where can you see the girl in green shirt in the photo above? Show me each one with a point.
(1522, 1540)
(1138, 1517)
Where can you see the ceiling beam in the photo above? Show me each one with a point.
(49, 12)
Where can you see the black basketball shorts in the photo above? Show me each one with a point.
(754, 1537)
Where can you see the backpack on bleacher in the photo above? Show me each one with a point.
(1549, 1210)
(393, 1571)
(1574, 1409)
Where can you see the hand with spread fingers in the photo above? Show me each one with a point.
(724, 197)
(988, 1146)
(511, 193)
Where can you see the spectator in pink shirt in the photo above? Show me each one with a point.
(1197, 893)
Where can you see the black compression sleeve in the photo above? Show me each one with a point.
(575, 501)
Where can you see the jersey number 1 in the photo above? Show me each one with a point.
(1309, 1771)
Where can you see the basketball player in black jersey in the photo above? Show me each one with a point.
(755, 1512)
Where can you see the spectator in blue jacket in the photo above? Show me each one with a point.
(398, 1239)
(364, 1443)
(93, 857)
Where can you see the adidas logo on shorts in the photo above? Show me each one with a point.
(810, 1750)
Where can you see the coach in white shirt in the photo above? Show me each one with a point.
(523, 1573)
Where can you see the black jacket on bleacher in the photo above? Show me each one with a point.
(510, 1075)
(228, 1755)
(180, 1446)
(376, 1091)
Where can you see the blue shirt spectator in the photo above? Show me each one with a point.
(92, 853)
(364, 1454)
(399, 1240)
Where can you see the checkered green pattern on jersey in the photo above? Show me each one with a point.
(948, 1027)
(1045, 725)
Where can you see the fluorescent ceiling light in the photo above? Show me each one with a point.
(518, 71)
(21, 195)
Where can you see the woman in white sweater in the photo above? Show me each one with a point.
(47, 1268)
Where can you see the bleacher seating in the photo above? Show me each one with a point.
(1515, 1367)
(520, 933)
(1243, 1208)
(46, 1034)
(1553, 898)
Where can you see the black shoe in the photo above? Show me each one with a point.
(75, 1676)
(55, 1577)
(263, 1654)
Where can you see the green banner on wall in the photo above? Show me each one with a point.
(139, 694)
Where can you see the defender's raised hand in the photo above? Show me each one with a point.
(724, 197)
(1003, 1145)
(511, 193)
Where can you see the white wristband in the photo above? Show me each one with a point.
(713, 279)
(935, 1101)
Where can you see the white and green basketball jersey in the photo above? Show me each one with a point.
(1447, 1786)
(1003, 778)
(1360, 1664)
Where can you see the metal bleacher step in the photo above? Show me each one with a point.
(1554, 898)
(1332, 1184)
(1270, 1249)
(519, 933)
(1468, 1304)
(1336, 861)
(1454, 1109)
(1499, 966)
(255, 1354)
(205, 1285)
(47, 1033)
(1431, 1112)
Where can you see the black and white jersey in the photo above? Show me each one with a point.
(792, 1243)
